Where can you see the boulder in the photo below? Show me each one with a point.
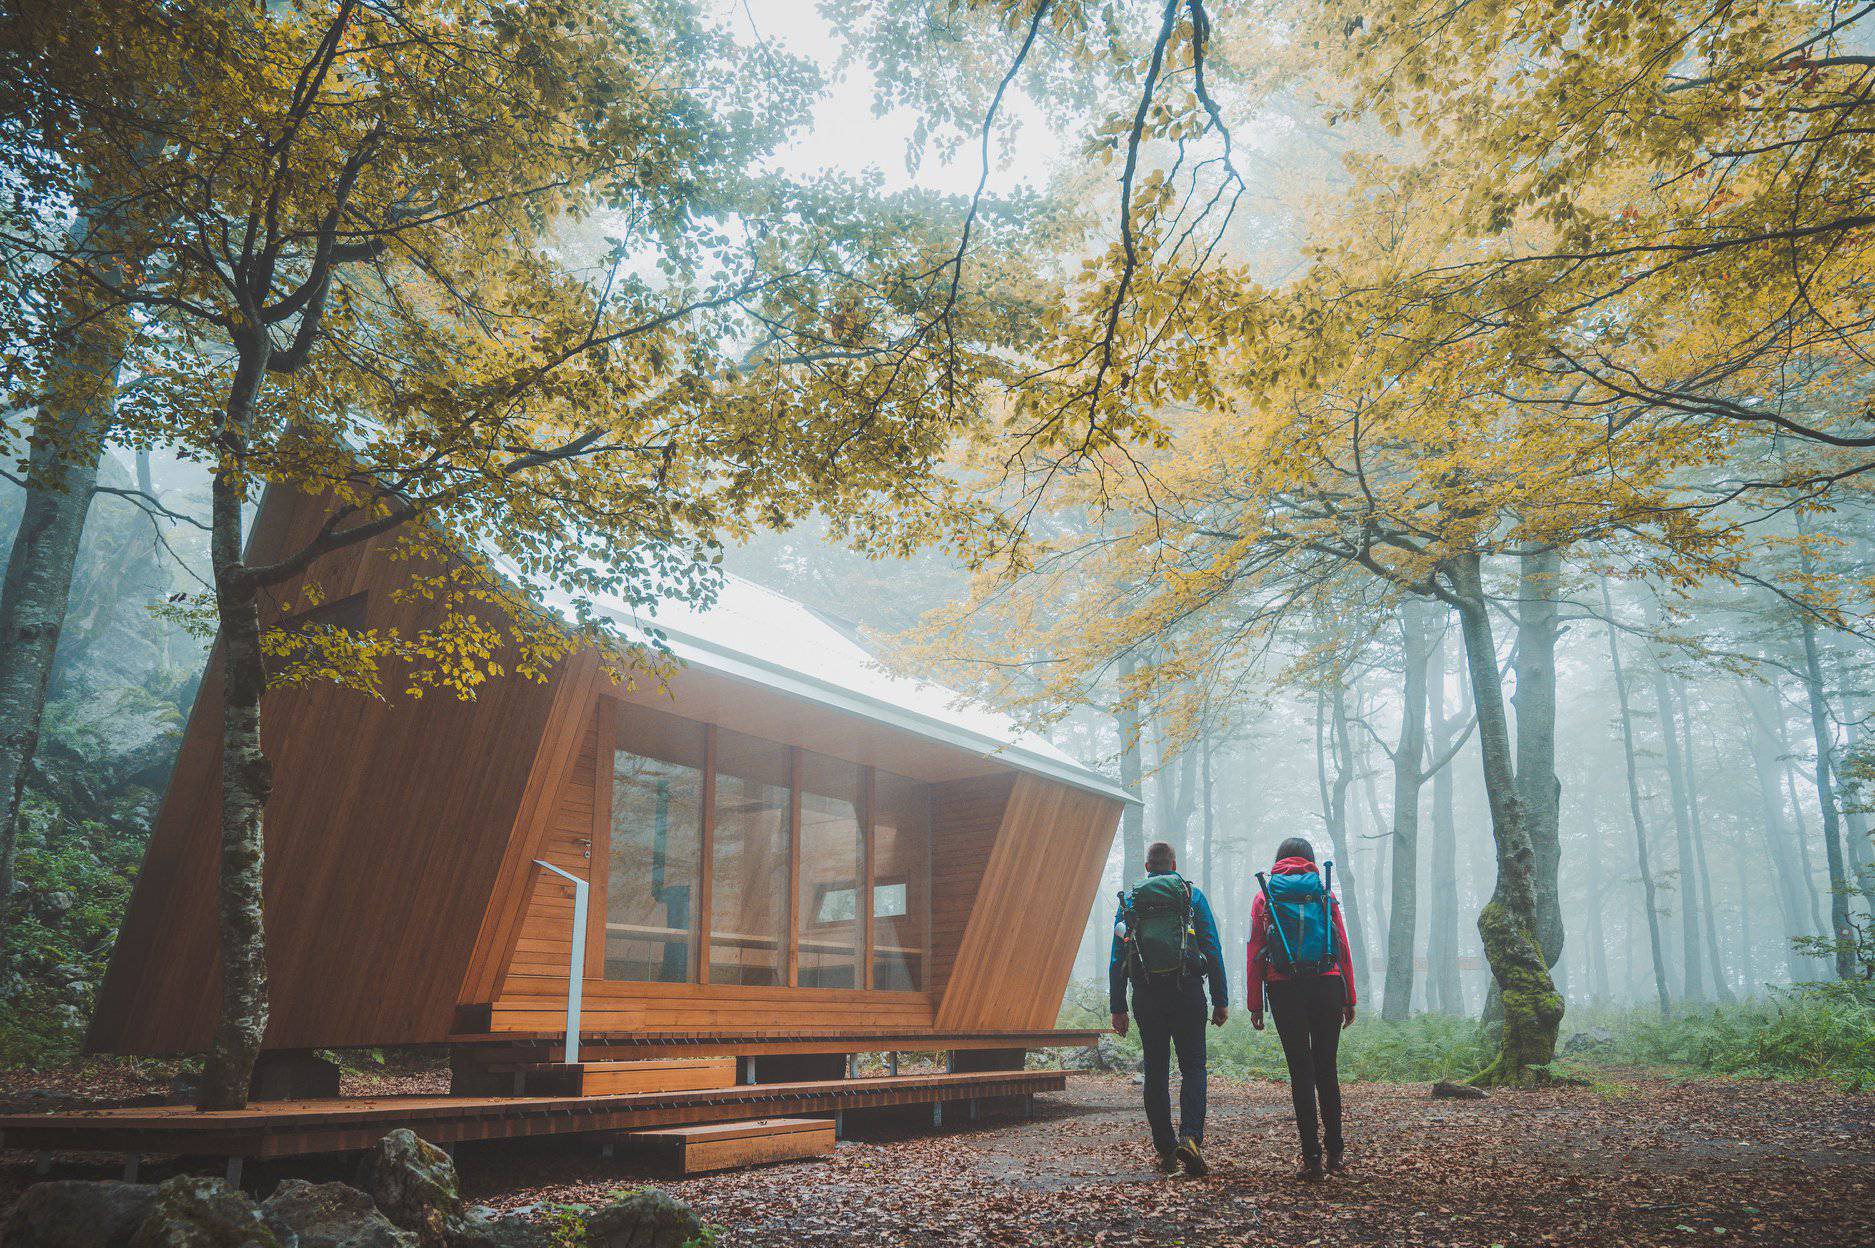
(74, 1214)
(195, 1212)
(1588, 1040)
(414, 1184)
(480, 1228)
(332, 1215)
(1106, 1055)
(644, 1219)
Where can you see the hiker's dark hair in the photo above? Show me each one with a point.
(1160, 856)
(1295, 847)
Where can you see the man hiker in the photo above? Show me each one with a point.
(1165, 945)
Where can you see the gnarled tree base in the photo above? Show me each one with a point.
(1532, 1008)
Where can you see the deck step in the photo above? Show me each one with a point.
(670, 1074)
(729, 1145)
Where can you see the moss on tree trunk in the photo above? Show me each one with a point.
(1532, 1008)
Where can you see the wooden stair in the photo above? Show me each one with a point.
(729, 1145)
(619, 1078)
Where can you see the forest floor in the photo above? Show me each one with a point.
(1634, 1159)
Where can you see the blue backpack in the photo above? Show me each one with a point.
(1302, 922)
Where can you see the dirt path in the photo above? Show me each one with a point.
(1642, 1161)
(1637, 1161)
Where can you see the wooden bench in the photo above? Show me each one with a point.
(728, 1145)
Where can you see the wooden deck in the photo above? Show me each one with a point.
(655, 1044)
(296, 1128)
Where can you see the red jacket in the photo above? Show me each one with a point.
(1260, 969)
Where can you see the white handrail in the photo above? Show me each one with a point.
(575, 960)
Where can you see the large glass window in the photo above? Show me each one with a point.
(749, 905)
(901, 874)
(654, 881)
(832, 923)
(667, 828)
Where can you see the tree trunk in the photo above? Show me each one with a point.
(1746, 972)
(1693, 987)
(1445, 989)
(32, 603)
(1720, 980)
(1800, 827)
(61, 471)
(1133, 819)
(1380, 838)
(1599, 988)
(1634, 806)
(1843, 933)
(1334, 736)
(1409, 761)
(1855, 813)
(1537, 783)
(1762, 706)
(246, 775)
(1210, 843)
(1508, 922)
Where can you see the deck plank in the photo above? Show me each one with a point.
(292, 1128)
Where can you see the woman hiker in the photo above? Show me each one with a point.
(1304, 969)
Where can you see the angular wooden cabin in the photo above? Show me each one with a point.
(790, 856)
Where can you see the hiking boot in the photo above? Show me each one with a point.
(1168, 1163)
(1193, 1159)
(1311, 1170)
(1337, 1160)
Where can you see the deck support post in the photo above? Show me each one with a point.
(234, 1171)
(42, 1164)
(839, 1124)
(575, 959)
(891, 1060)
(131, 1162)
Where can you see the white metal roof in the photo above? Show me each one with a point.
(758, 635)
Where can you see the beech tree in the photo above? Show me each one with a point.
(503, 281)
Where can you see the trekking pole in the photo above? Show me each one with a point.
(1328, 903)
(1275, 922)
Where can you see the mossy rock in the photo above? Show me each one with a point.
(645, 1219)
(195, 1212)
(71, 1213)
(414, 1184)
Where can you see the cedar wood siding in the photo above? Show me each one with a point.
(401, 836)
(389, 824)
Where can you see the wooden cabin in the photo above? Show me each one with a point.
(789, 856)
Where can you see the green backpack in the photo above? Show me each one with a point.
(1157, 917)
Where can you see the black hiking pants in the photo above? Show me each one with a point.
(1171, 1015)
(1307, 1013)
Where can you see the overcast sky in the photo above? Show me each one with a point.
(850, 137)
